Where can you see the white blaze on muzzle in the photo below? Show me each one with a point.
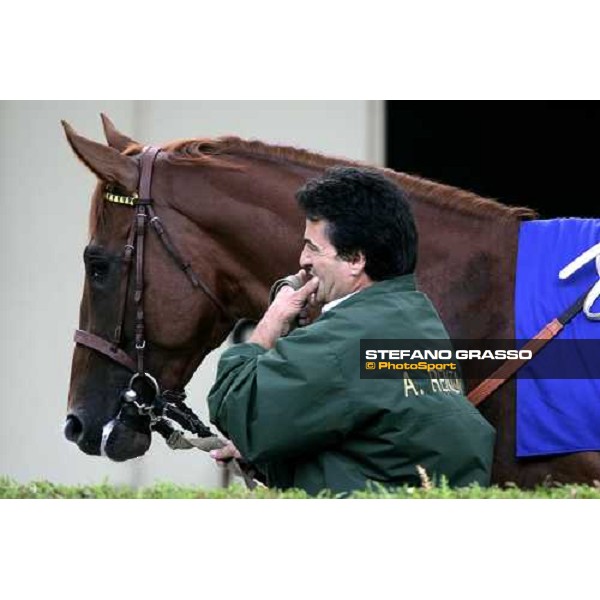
(106, 431)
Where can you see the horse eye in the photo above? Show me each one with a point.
(97, 270)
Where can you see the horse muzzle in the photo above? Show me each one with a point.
(122, 438)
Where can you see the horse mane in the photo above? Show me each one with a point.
(214, 152)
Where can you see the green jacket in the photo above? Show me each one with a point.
(301, 413)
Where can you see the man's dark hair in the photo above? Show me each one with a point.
(366, 212)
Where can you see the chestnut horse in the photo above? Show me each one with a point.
(229, 207)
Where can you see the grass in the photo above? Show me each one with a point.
(45, 489)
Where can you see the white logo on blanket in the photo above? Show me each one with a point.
(584, 258)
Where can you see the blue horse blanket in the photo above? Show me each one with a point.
(556, 416)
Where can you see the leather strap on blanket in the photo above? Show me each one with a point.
(535, 344)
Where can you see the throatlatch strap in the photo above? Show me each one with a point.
(184, 265)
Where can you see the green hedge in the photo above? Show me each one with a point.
(45, 489)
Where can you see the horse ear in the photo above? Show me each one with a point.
(114, 137)
(107, 163)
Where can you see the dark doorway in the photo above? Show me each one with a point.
(540, 154)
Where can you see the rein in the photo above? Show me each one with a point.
(168, 404)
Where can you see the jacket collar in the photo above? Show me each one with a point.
(404, 283)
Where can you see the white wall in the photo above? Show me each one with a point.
(44, 199)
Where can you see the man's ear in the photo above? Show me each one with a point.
(357, 262)
(107, 163)
(114, 137)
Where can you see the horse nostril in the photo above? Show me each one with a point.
(73, 428)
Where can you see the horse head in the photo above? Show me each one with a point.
(189, 304)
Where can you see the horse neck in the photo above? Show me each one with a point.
(252, 227)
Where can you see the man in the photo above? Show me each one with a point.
(294, 404)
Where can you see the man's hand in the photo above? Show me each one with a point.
(288, 304)
(225, 454)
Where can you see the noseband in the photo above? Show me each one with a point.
(168, 404)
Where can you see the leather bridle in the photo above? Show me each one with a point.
(168, 404)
